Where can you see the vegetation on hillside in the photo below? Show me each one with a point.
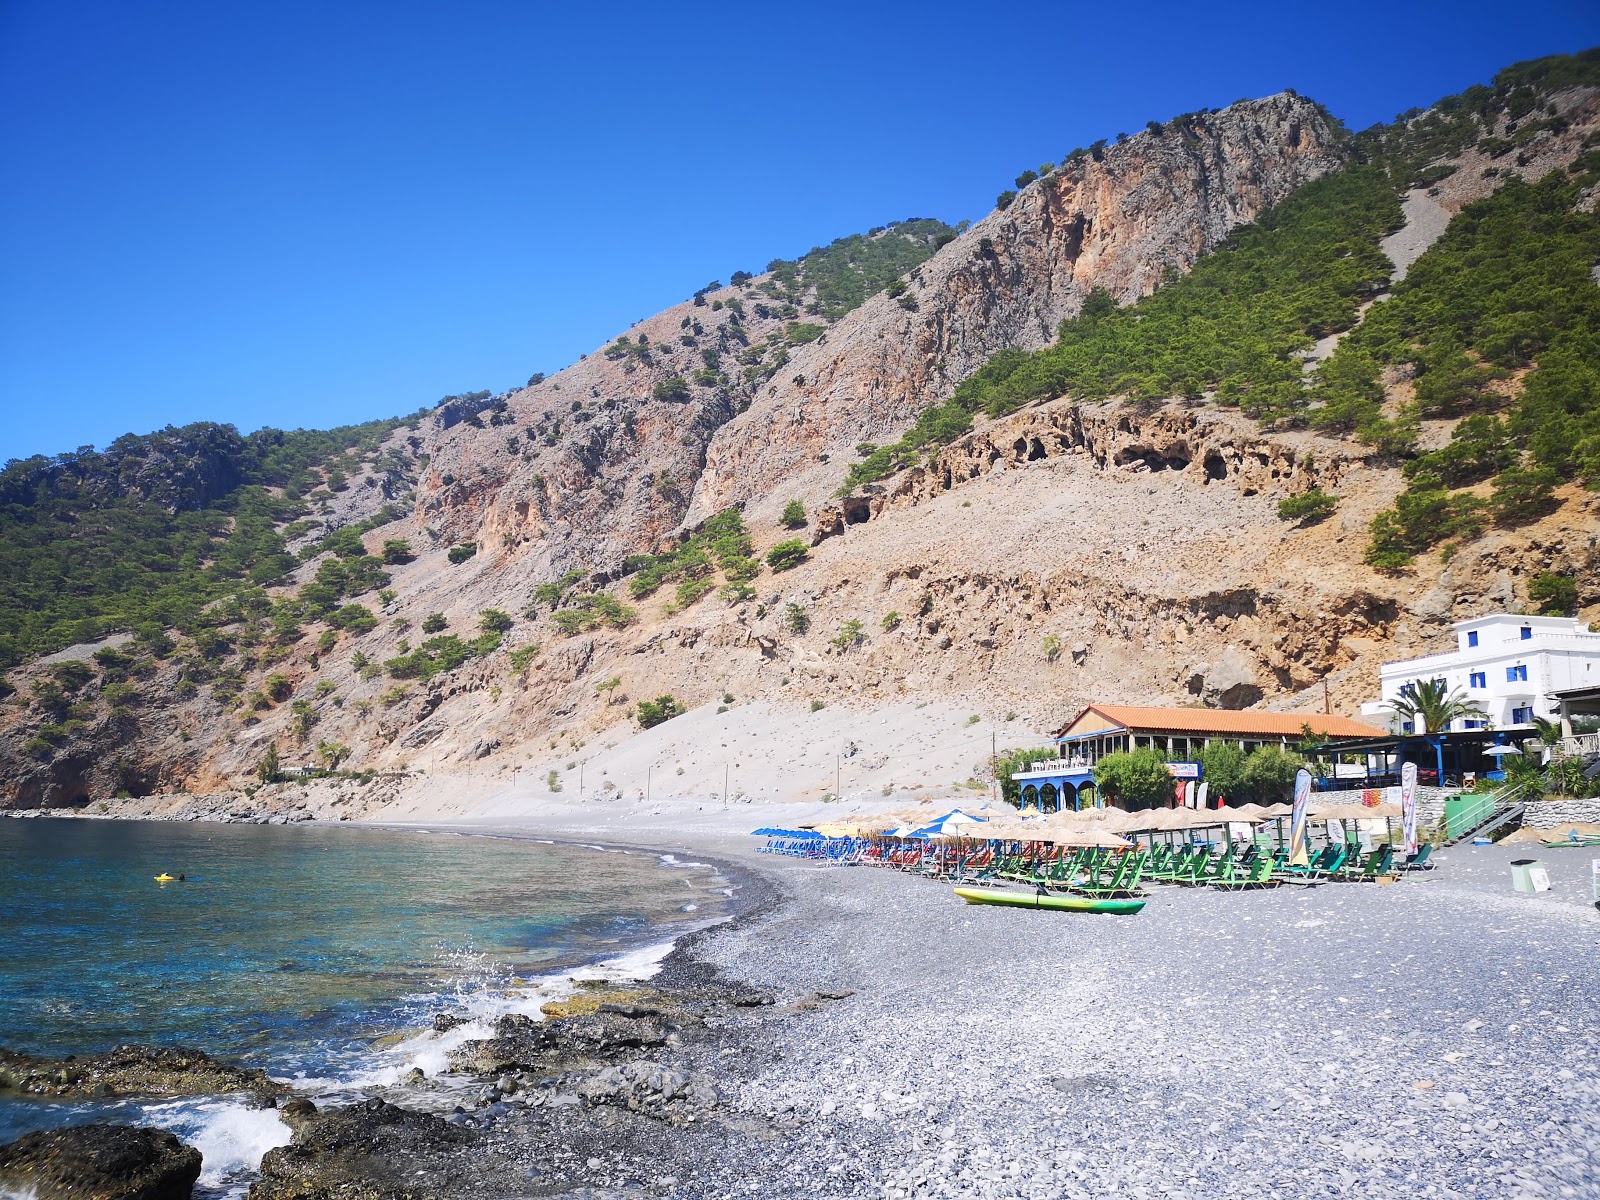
(1230, 328)
(1498, 324)
(831, 280)
(721, 543)
(1506, 290)
(153, 528)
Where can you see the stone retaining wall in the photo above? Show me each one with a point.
(1554, 814)
(1430, 800)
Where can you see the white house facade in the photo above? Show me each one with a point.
(1509, 664)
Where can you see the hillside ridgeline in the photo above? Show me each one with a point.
(1168, 426)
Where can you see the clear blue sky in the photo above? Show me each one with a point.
(318, 213)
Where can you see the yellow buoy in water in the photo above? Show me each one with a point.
(165, 878)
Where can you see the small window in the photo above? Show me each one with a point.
(1407, 727)
(1469, 724)
(1527, 634)
(1517, 674)
(1472, 637)
(1523, 715)
(1479, 679)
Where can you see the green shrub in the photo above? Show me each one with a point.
(1269, 775)
(120, 694)
(1137, 778)
(787, 555)
(851, 634)
(674, 390)
(433, 657)
(795, 618)
(396, 551)
(662, 708)
(1555, 594)
(691, 590)
(890, 622)
(494, 620)
(522, 656)
(356, 618)
(332, 754)
(591, 611)
(279, 687)
(1308, 507)
(460, 554)
(1523, 495)
(794, 515)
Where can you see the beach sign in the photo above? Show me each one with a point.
(1408, 805)
(1297, 826)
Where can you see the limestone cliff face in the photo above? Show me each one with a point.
(1148, 205)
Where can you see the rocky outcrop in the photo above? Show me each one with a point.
(131, 1071)
(369, 1151)
(521, 1043)
(99, 1162)
(1118, 221)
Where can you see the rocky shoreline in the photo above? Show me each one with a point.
(858, 1032)
(615, 1080)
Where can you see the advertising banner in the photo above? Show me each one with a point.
(1297, 825)
(1408, 805)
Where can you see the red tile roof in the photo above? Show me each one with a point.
(1229, 721)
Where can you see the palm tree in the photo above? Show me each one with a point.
(1430, 709)
(1548, 732)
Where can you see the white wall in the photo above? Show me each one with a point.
(1560, 653)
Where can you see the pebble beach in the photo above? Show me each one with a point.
(1433, 1038)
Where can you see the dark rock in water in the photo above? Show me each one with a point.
(100, 1162)
(444, 1022)
(367, 1151)
(131, 1071)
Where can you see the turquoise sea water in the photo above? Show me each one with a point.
(298, 949)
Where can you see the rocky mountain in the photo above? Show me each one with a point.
(663, 525)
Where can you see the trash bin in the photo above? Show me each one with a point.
(1528, 875)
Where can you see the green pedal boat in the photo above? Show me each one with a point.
(1049, 901)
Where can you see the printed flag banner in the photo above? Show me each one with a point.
(1408, 805)
(1297, 826)
(1200, 797)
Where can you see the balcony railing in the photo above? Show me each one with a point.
(1579, 745)
(1053, 766)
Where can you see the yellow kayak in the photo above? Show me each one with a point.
(165, 878)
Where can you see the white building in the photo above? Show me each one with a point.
(1509, 664)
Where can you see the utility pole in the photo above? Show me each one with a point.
(724, 785)
(837, 760)
(994, 770)
(580, 779)
(647, 772)
(1326, 706)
